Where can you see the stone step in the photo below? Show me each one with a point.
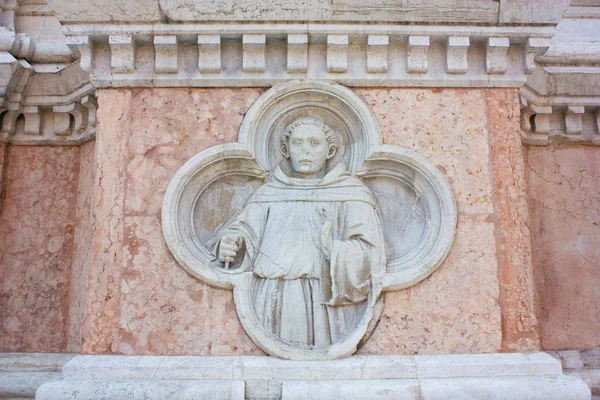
(33, 361)
(497, 388)
(21, 374)
(357, 367)
(473, 376)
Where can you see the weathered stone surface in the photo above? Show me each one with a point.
(3, 171)
(100, 329)
(448, 127)
(465, 11)
(418, 11)
(215, 54)
(480, 376)
(337, 10)
(359, 367)
(575, 40)
(531, 11)
(22, 373)
(519, 322)
(563, 198)
(150, 305)
(375, 389)
(452, 311)
(507, 388)
(461, 313)
(453, 11)
(36, 238)
(107, 10)
(584, 365)
(262, 10)
(497, 388)
(80, 268)
(149, 389)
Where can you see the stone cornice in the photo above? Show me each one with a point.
(235, 55)
(556, 67)
(548, 119)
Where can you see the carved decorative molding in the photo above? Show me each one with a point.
(226, 55)
(561, 98)
(30, 112)
(50, 120)
(559, 118)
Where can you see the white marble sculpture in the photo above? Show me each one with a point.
(308, 218)
(312, 237)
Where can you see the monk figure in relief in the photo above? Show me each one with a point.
(312, 237)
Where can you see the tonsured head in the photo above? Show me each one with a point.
(308, 143)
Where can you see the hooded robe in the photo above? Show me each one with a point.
(300, 296)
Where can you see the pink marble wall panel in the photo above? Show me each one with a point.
(564, 203)
(456, 309)
(3, 168)
(100, 331)
(519, 322)
(140, 300)
(36, 240)
(453, 311)
(81, 246)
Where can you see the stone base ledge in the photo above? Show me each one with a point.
(476, 376)
(582, 364)
(22, 373)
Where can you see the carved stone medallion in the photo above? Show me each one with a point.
(308, 218)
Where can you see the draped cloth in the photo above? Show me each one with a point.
(300, 296)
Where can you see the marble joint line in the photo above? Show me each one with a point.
(559, 119)
(230, 55)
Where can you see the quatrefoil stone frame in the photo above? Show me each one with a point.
(416, 202)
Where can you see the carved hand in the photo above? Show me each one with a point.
(229, 247)
(323, 235)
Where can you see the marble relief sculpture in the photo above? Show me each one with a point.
(312, 237)
(308, 218)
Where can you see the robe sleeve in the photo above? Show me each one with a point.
(358, 252)
(248, 225)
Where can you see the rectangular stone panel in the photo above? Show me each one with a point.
(143, 389)
(152, 306)
(106, 10)
(515, 271)
(531, 11)
(80, 268)
(36, 241)
(260, 368)
(343, 390)
(418, 10)
(455, 310)
(465, 11)
(564, 199)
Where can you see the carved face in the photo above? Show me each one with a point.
(308, 150)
